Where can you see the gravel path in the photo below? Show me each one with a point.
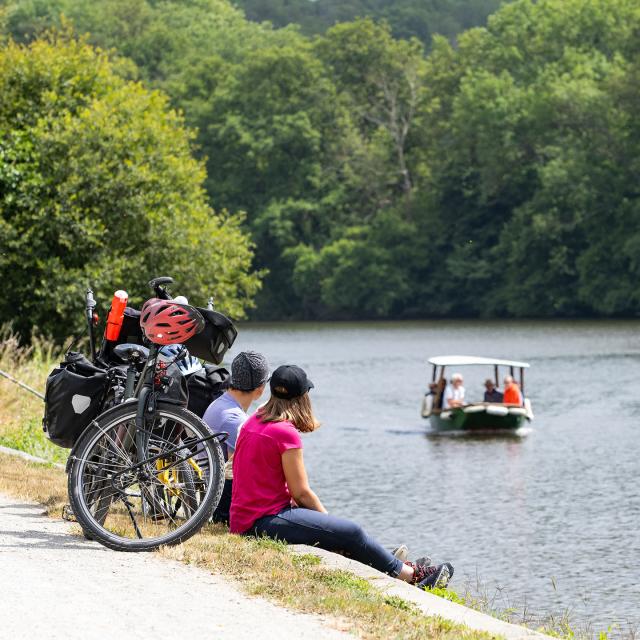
(55, 585)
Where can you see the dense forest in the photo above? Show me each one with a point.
(494, 174)
(407, 18)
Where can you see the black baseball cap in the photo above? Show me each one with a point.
(289, 381)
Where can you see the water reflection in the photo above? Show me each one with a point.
(485, 434)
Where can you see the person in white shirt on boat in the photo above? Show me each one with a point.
(454, 393)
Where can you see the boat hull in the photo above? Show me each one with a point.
(458, 420)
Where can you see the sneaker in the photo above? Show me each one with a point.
(421, 569)
(436, 577)
(401, 552)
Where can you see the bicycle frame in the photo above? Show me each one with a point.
(146, 407)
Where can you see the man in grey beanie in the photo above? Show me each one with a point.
(249, 375)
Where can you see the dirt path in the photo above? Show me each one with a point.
(56, 585)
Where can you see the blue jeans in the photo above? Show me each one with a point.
(304, 526)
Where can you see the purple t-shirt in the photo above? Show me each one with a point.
(225, 414)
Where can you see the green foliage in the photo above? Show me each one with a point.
(399, 603)
(98, 185)
(493, 177)
(419, 18)
(360, 587)
(362, 274)
(541, 154)
(30, 438)
(306, 560)
(448, 594)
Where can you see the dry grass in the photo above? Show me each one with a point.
(34, 483)
(20, 411)
(265, 568)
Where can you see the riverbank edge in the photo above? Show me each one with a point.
(424, 603)
(428, 603)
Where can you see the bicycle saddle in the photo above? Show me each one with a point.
(129, 352)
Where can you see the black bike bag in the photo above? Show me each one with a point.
(215, 339)
(130, 332)
(74, 395)
(205, 386)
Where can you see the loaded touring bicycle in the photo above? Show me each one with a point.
(475, 416)
(144, 469)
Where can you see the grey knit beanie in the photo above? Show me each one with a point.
(249, 370)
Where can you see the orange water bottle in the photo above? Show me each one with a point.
(116, 314)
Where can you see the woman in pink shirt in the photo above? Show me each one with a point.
(271, 492)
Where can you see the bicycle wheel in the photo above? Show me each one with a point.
(132, 504)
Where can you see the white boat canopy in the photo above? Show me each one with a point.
(461, 361)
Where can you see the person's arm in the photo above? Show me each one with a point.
(232, 424)
(297, 481)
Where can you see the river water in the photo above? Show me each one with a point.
(544, 523)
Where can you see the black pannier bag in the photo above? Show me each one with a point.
(131, 331)
(174, 389)
(215, 339)
(205, 386)
(73, 398)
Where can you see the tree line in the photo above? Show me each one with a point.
(407, 18)
(492, 175)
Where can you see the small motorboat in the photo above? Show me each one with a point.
(475, 416)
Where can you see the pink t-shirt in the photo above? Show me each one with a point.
(259, 485)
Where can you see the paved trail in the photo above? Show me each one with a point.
(54, 585)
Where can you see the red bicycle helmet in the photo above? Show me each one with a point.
(168, 322)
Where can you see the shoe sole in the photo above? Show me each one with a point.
(440, 582)
(443, 578)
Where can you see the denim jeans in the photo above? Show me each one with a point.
(304, 526)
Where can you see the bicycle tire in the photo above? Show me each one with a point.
(209, 495)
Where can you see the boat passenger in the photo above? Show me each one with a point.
(271, 492)
(437, 389)
(492, 393)
(454, 393)
(249, 375)
(512, 394)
